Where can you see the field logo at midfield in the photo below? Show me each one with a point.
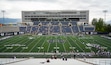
(56, 41)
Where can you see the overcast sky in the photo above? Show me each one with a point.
(13, 8)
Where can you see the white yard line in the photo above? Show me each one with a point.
(20, 43)
(63, 46)
(56, 42)
(49, 45)
(102, 43)
(4, 42)
(69, 43)
(86, 45)
(42, 44)
(27, 45)
(10, 42)
(35, 45)
(77, 44)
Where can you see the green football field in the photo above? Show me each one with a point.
(38, 44)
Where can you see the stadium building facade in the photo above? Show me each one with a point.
(81, 16)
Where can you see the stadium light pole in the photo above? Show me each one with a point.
(3, 11)
(105, 11)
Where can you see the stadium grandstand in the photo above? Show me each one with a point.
(52, 22)
(56, 22)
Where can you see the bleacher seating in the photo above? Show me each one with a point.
(75, 29)
(89, 29)
(45, 23)
(43, 29)
(34, 29)
(73, 23)
(36, 22)
(66, 29)
(22, 29)
(55, 23)
(64, 23)
(55, 27)
(81, 28)
(28, 29)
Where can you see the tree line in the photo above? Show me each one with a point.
(100, 25)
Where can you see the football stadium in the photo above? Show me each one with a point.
(43, 34)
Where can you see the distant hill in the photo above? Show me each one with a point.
(9, 20)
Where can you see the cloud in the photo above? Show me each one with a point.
(13, 8)
(33, 0)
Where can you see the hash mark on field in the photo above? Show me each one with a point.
(77, 44)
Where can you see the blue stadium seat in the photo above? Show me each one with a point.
(35, 22)
(66, 29)
(81, 28)
(45, 23)
(55, 23)
(89, 29)
(64, 23)
(55, 29)
(22, 29)
(43, 29)
(34, 29)
(75, 29)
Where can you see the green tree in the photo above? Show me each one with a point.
(100, 25)
(94, 21)
(108, 27)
